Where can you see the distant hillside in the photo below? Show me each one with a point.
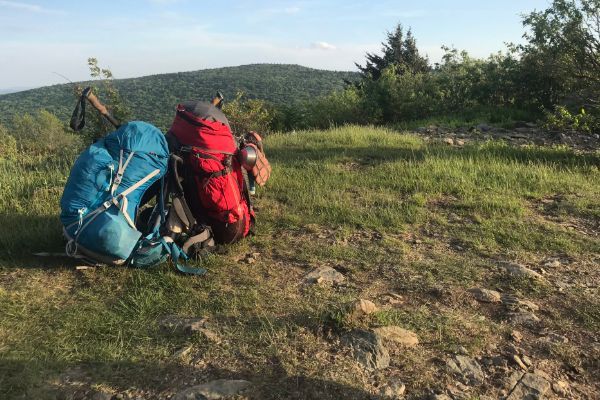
(13, 89)
(153, 98)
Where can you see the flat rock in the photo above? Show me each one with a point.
(529, 387)
(552, 263)
(397, 335)
(561, 388)
(513, 379)
(555, 338)
(392, 298)
(524, 318)
(516, 336)
(495, 361)
(483, 127)
(485, 295)
(512, 302)
(519, 270)
(362, 307)
(394, 389)
(324, 274)
(219, 389)
(466, 369)
(367, 348)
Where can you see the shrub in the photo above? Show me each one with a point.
(43, 133)
(8, 144)
(563, 119)
(246, 115)
(397, 97)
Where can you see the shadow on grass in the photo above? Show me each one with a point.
(23, 235)
(560, 158)
(49, 380)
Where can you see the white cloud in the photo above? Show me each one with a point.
(323, 46)
(34, 8)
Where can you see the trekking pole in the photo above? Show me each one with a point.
(78, 118)
(91, 97)
(217, 101)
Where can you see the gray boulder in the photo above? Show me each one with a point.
(466, 369)
(529, 387)
(367, 348)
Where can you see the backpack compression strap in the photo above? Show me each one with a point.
(174, 250)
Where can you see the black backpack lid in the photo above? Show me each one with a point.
(205, 110)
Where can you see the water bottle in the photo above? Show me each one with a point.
(251, 183)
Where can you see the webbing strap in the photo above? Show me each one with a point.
(140, 183)
(121, 170)
(200, 238)
(177, 254)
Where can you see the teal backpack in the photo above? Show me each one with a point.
(102, 198)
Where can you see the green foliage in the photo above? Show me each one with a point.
(459, 86)
(558, 69)
(43, 133)
(399, 51)
(338, 108)
(104, 88)
(562, 119)
(400, 96)
(154, 98)
(8, 144)
(247, 115)
(563, 51)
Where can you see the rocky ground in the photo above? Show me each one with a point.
(529, 357)
(458, 301)
(522, 134)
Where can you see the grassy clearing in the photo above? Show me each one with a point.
(390, 211)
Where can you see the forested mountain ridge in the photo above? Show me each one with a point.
(152, 98)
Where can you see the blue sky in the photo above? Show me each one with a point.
(142, 37)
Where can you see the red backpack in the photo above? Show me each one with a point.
(214, 184)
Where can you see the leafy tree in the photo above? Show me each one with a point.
(398, 50)
(564, 49)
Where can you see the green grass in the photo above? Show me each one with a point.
(354, 198)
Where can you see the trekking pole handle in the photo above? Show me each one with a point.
(87, 92)
(217, 101)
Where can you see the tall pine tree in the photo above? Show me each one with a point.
(398, 50)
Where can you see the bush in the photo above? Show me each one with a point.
(563, 119)
(247, 115)
(43, 133)
(397, 97)
(8, 144)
